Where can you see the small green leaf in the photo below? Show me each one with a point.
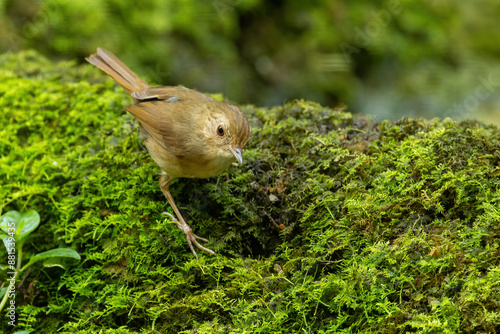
(9, 244)
(2, 292)
(9, 219)
(19, 225)
(29, 222)
(53, 253)
(3, 266)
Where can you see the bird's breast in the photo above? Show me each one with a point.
(204, 168)
(190, 165)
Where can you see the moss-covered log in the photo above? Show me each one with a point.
(335, 223)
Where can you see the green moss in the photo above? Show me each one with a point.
(334, 224)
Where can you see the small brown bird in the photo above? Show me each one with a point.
(187, 133)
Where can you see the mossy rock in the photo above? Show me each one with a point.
(334, 224)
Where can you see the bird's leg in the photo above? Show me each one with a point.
(165, 181)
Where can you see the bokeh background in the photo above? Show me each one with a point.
(388, 59)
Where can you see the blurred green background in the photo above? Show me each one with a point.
(388, 59)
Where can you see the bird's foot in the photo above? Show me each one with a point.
(190, 236)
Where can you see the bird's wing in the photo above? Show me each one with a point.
(168, 113)
(170, 94)
(163, 124)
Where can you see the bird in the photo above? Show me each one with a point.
(187, 133)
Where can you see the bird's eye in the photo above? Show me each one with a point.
(220, 130)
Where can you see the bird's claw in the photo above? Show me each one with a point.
(190, 236)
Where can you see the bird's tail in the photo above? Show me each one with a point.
(110, 64)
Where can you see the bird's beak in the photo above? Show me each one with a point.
(237, 154)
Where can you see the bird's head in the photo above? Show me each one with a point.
(228, 130)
